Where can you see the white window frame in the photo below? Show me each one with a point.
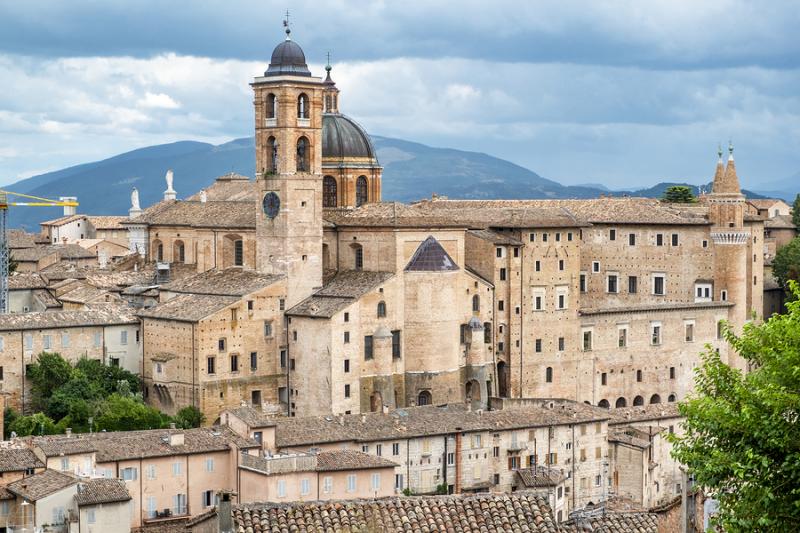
(177, 468)
(686, 324)
(376, 482)
(327, 484)
(656, 333)
(590, 331)
(129, 473)
(65, 340)
(210, 464)
(151, 472)
(351, 483)
(152, 506)
(305, 487)
(653, 278)
(91, 518)
(539, 293)
(616, 277)
(98, 339)
(47, 342)
(562, 291)
(123, 337)
(703, 292)
(595, 267)
(281, 488)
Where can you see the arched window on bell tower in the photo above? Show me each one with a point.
(302, 106)
(303, 155)
(361, 191)
(329, 192)
(272, 106)
(272, 156)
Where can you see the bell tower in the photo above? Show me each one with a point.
(288, 123)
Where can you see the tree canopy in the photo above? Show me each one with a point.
(796, 211)
(680, 194)
(786, 265)
(88, 396)
(742, 431)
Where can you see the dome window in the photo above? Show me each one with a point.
(302, 106)
(329, 192)
(361, 191)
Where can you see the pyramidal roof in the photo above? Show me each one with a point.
(431, 257)
(726, 182)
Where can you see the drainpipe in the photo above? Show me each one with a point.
(288, 366)
(521, 315)
(457, 488)
(573, 466)
(194, 369)
(444, 461)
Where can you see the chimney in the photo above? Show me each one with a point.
(170, 193)
(68, 432)
(363, 418)
(224, 516)
(69, 210)
(203, 196)
(177, 438)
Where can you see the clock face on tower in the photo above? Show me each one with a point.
(271, 204)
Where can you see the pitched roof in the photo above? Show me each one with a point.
(229, 188)
(39, 485)
(780, 222)
(653, 411)
(18, 238)
(427, 420)
(102, 490)
(344, 289)
(629, 435)
(253, 417)
(60, 221)
(15, 459)
(210, 214)
(234, 281)
(540, 476)
(431, 257)
(101, 315)
(25, 280)
(189, 307)
(616, 522)
(495, 237)
(484, 513)
(65, 252)
(123, 445)
(335, 460)
(106, 222)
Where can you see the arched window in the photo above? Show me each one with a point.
(603, 403)
(158, 250)
(621, 402)
(238, 252)
(548, 374)
(178, 252)
(381, 309)
(303, 150)
(638, 401)
(361, 190)
(476, 304)
(272, 106)
(655, 398)
(329, 192)
(671, 398)
(358, 256)
(424, 398)
(302, 106)
(272, 156)
(232, 250)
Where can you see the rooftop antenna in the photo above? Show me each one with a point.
(287, 29)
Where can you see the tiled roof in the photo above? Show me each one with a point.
(18, 238)
(188, 307)
(484, 513)
(44, 297)
(234, 281)
(653, 411)
(25, 280)
(106, 222)
(211, 214)
(495, 237)
(540, 476)
(629, 435)
(334, 460)
(780, 222)
(123, 445)
(615, 523)
(39, 485)
(428, 420)
(101, 315)
(27, 255)
(343, 290)
(672, 306)
(763, 203)
(14, 459)
(60, 221)
(101, 490)
(84, 293)
(65, 252)
(55, 445)
(431, 257)
(229, 188)
(253, 417)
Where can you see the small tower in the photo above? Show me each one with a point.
(288, 115)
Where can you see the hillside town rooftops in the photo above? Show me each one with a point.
(336, 460)
(229, 188)
(540, 476)
(25, 280)
(615, 522)
(234, 281)
(210, 214)
(16, 459)
(780, 222)
(344, 289)
(427, 421)
(653, 411)
(484, 513)
(18, 238)
(101, 490)
(124, 445)
(40, 485)
(189, 307)
(101, 315)
(107, 222)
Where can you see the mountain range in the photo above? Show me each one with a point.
(412, 171)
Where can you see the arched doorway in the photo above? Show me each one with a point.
(424, 398)
(502, 379)
(638, 401)
(655, 398)
(621, 402)
(671, 398)
(603, 403)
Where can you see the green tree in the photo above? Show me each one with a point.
(786, 265)
(742, 431)
(796, 212)
(125, 413)
(108, 377)
(679, 194)
(47, 375)
(189, 417)
(36, 424)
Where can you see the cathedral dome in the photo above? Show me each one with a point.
(343, 138)
(288, 59)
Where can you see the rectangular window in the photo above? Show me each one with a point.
(305, 487)
(376, 482)
(500, 347)
(659, 239)
(537, 266)
(208, 498)
(502, 274)
(327, 484)
(561, 264)
(90, 516)
(396, 348)
(347, 365)
(655, 330)
(379, 450)
(123, 337)
(499, 252)
(583, 282)
(603, 381)
(538, 345)
(255, 398)
(544, 237)
(501, 305)
(29, 341)
(558, 237)
(98, 339)
(238, 252)
(210, 365)
(562, 301)
(569, 235)
(281, 488)
(151, 506)
(587, 341)
(595, 266)
(561, 344)
(128, 474)
(47, 342)
(65, 340)
(250, 305)
(658, 284)
(516, 251)
(221, 345)
(538, 303)
(151, 472)
(282, 304)
(177, 468)
(633, 284)
(347, 337)
(268, 328)
(689, 330)
(253, 360)
(674, 239)
(612, 283)
(451, 458)
(1, 373)
(622, 334)
(368, 353)
(234, 362)
(532, 237)
(612, 235)
(705, 244)
(396, 448)
(513, 462)
(398, 482)
(347, 391)
(283, 358)
(632, 239)
(672, 372)
(351, 483)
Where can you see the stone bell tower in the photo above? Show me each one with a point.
(288, 115)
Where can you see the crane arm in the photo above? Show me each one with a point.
(42, 202)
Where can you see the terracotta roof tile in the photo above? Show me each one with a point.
(253, 417)
(780, 222)
(615, 522)
(540, 476)
(25, 280)
(18, 238)
(102, 490)
(211, 214)
(234, 281)
(657, 411)
(16, 459)
(229, 188)
(39, 485)
(101, 315)
(343, 290)
(334, 460)
(189, 307)
(106, 222)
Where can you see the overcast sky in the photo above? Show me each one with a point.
(622, 92)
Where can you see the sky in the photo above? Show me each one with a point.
(625, 93)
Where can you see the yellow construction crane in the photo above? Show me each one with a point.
(4, 252)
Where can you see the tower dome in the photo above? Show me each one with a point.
(344, 140)
(288, 59)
